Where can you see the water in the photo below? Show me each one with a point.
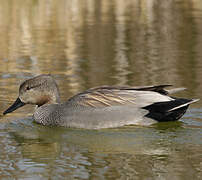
(91, 43)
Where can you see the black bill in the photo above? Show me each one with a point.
(17, 104)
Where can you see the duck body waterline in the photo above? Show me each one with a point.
(101, 107)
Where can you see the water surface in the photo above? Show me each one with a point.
(90, 43)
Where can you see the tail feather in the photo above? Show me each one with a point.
(172, 91)
(184, 104)
(169, 110)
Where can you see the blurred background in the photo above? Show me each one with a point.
(101, 42)
(89, 43)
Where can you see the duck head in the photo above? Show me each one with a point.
(39, 90)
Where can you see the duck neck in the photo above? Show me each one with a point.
(57, 100)
(48, 99)
(54, 97)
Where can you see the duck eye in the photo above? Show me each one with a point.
(28, 88)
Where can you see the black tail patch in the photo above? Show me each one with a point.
(160, 111)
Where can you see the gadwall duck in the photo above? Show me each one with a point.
(100, 107)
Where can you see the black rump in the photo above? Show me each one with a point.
(162, 111)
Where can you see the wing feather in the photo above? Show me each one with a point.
(106, 96)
